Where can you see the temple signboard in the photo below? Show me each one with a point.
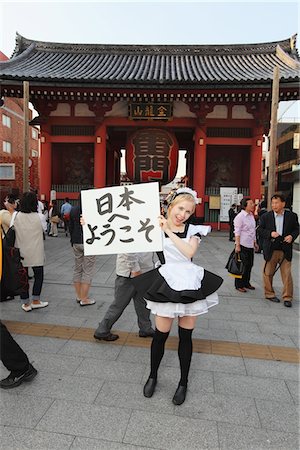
(150, 111)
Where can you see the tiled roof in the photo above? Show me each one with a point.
(149, 65)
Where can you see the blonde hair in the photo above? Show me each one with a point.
(183, 197)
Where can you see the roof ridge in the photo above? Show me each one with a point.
(287, 45)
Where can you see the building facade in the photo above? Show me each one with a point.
(94, 100)
(11, 147)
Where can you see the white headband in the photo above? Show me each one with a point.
(185, 190)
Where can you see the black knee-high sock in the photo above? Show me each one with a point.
(185, 350)
(157, 351)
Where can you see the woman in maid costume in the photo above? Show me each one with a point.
(178, 288)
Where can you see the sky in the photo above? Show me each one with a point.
(152, 22)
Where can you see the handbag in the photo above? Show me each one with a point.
(55, 219)
(235, 265)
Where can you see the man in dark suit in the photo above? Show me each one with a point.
(278, 229)
(231, 215)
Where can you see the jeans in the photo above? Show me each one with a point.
(37, 285)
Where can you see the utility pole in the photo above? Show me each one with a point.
(26, 137)
(273, 136)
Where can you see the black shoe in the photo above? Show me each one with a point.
(287, 303)
(149, 387)
(149, 333)
(13, 381)
(180, 394)
(241, 289)
(106, 336)
(274, 299)
(252, 288)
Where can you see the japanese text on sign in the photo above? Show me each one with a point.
(121, 219)
(150, 111)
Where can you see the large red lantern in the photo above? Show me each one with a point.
(151, 155)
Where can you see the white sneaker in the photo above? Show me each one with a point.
(39, 305)
(26, 308)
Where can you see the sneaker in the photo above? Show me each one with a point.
(39, 305)
(13, 381)
(26, 308)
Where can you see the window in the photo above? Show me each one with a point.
(35, 153)
(34, 133)
(7, 171)
(6, 121)
(6, 147)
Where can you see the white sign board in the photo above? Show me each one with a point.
(226, 195)
(121, 219)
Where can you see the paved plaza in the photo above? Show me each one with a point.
(88, 394)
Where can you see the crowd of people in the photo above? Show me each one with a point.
(168, 284)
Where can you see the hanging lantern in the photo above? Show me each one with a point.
(151, 155)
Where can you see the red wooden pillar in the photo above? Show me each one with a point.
(100, 157)
(256, 164)
(200, 168)
(45, 162)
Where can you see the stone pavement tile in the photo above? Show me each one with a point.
(111, 370)
(218, 363)
(267, 308)
(293, 387)
(164, 431)
(272, 369)
(136, 355)
(278, 416)
(233, 437)
(221, 335)
(51, 317)
(17, 438)
(223, 324)
(81, 419)
(232, 308)
(220, 408)
(89, 312)
(287, 320)
(214, 313)
(280, 329)
(265, 339)
(291, 355)
(54, 363)
(40, 344)
(63, 387)
(59, 331)
(246, 386)
(130, 395)
(21, 316)
(296, 341)
(95, 350)
(258, 318)
(22, 410)
(96, 444)
(256, 351)
(199, 380)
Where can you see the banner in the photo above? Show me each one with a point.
(226, 194)
(121, 219)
